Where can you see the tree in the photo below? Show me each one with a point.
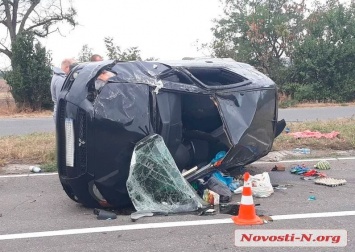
(114, 51)
(41, 17)
(85, 53)
(130, 54)
(31, 73)
(324, 62)
(259, 32)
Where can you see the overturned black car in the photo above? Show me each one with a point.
(199, 107)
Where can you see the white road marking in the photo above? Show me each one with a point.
(163, 225)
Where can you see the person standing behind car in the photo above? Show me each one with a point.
(59, 75)
(96, 57)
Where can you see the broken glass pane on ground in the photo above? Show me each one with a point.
(155, 183)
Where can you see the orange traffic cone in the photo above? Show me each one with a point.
(247, 214)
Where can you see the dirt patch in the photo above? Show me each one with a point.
(15, 169)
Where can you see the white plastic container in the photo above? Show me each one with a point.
(35, 169)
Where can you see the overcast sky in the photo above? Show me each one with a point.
(164, 29)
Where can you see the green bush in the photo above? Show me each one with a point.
(31, 73)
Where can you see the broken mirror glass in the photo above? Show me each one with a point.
(155, 183)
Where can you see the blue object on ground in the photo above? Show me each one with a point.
(228, 181)
(311, 198)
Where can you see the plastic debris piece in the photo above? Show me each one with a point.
(302, 150)
(282, 186)
(330, 182)
(211, 197)
(140, 214)
(207, 211)
(104, 215)
(266, 219)
(155, 183)
(35, 169)
(261, 186)
(311, 198)
(219, 187)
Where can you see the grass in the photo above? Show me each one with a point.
(39, 148)
(344, 141)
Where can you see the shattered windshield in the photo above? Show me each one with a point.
(155, 183)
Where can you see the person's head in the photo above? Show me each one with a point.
(65, 66)
(96, 57)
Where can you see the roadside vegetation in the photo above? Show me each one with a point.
(344, 141)
(39, 148)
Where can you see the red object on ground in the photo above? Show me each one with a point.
(314, 134)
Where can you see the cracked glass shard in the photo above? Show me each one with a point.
(155, 183)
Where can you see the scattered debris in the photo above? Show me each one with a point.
(228, 181)
(299, 169)
(140, 214)
(277, 186)
(261, 185)
(208, 211)
(312, 174)
(211, 197)
(322, 165)
(279, 167)
(231, 209)
(302, 150)
(34, 169)
(104, 215)
(266, 219)
(311, 198)
(330, 182)
(219, 187)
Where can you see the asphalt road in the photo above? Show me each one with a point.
(22, 126)
(38, 204)
(313, 114)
